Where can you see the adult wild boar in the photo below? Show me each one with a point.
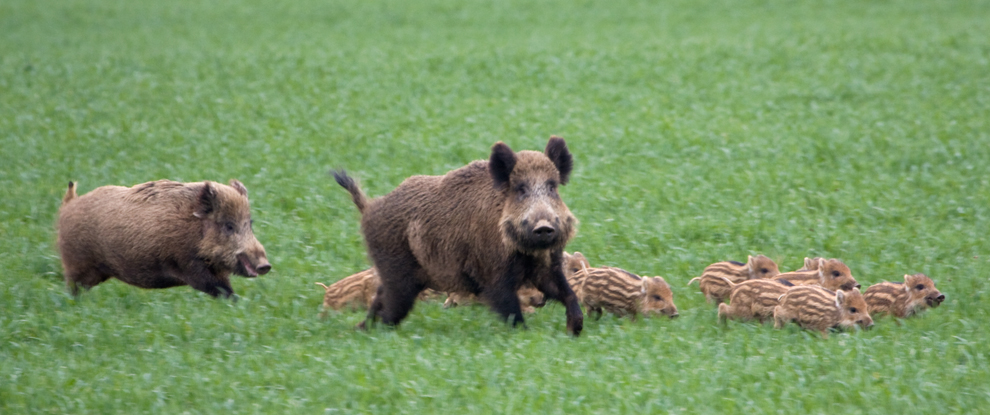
(159, 234)
(485, 229)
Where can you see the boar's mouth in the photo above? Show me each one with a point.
(247, 269)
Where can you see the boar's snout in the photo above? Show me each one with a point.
(264, 268)
(544, 231)
(253, 263)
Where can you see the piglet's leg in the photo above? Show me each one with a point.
(556, 287)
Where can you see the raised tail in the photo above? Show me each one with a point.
(345, 181)
(693, 280)
(322, 285)
(69, 194)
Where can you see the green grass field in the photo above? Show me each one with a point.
(702, 131)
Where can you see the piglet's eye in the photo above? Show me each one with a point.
(657, 298)
(920, 287)
(764, 270)
(852, 310)
(835, 273)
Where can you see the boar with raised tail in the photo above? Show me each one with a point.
(830, 274)
(715, 281)
(903, 300)
(813, 307)
(621, 292)
(484, 229)
(160, 234)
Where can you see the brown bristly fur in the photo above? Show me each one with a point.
(903, 300)
(621, 292)
(830, 274)
(813, 307)
(159, 234)
(355, 291)
(485, 228)
(753, 299)
(714, 280)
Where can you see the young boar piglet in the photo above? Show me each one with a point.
(621, 292)
(355, 291)
(529, 299)
(715, 279)
(810, 264)
(753, 299)
(483, 229)
(906, 299)
(830, 274)
(813, 307)
(159, 234)
(573, 267)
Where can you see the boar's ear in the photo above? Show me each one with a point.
(500, 164)
(557, 153)
(207, 201)
(839, 298)
(237, 185)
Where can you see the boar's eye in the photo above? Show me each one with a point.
(920, 287)
(522, 189)
(852, 310)
(228, 227)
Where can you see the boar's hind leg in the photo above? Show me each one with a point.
(398, 291)
(85, 278)
(557, 288)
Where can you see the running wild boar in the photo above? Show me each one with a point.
(813, 307)
(159, 234)
(831, 274)
(753, 299)
(903, 300)
(621, 292)
(485, 229)
(714, 280)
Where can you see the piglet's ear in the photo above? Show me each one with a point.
(237, 185)
(749, 264)
(557, 152)
(500, 164)
(839, 298)
(206, 203)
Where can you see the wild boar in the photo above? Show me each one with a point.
(355, 291)
(813, 307)
(160, 234)
(753, 299)
(529, 299)
(485, 229)
(621, 292)
(831, 274)
(713, 279)
(903, 300)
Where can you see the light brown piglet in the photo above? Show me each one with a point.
(813, 307)
(355, 291)
(716, 278)
(621, 292)
(830, 274)
(903, 300)
(753, 299)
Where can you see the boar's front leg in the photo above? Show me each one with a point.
(201, 278)
(557, 288)
(502, 293)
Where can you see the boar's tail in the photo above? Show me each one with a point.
(345, 181)
(728, 281)
(693, 280)
(69, 194)
(322, 285)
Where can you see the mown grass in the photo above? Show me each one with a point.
(702, 131)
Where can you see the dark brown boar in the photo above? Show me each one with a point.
(485, 229)
(903, 300)
(714, 280)
(831, 274)
(160, 234)
(813, 307)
